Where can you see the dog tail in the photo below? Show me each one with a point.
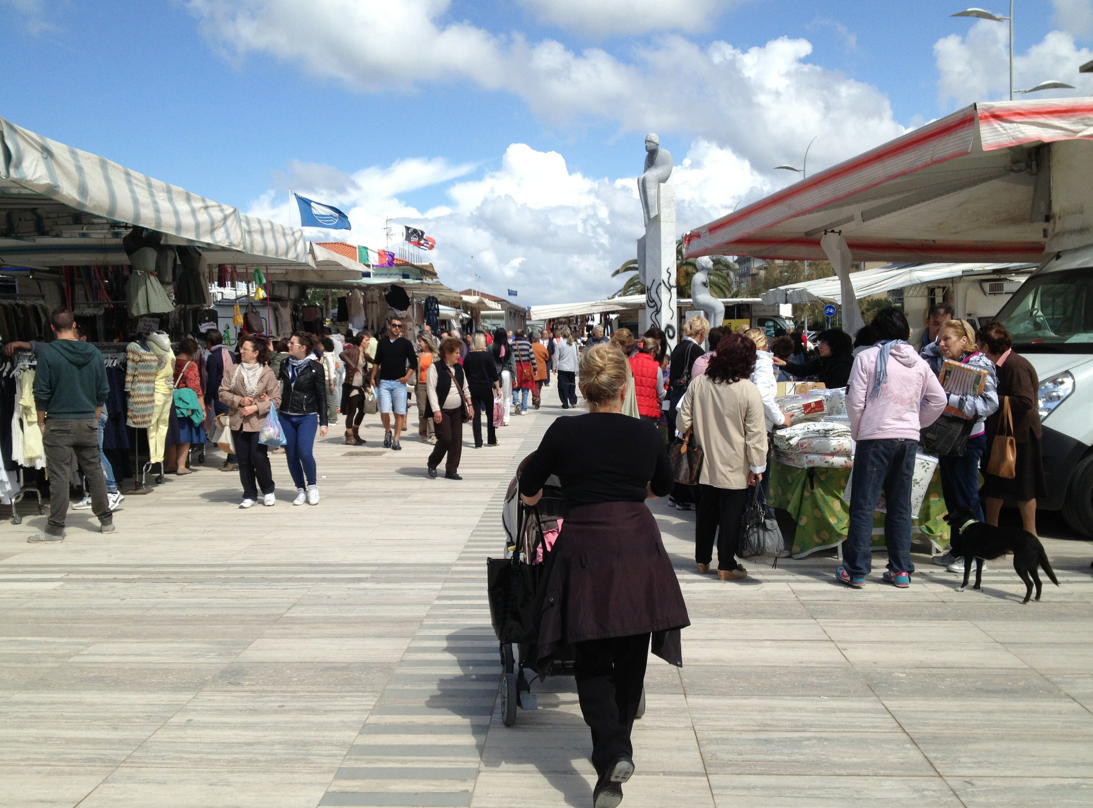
(1046, 565)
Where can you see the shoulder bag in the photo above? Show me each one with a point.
(1003, 459)
(512, 586)
(759, 533)
(947, 436)
(686, 459)
(468, 409)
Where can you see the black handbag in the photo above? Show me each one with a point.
(513, 590)
(947, 436)
(760, 534)
(686, 460)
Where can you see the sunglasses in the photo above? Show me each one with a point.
(396, 325)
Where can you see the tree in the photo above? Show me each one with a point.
(722, 276)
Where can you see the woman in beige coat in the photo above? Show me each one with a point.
(248, 391)
(725, 411)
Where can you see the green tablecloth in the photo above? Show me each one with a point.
(813, 497)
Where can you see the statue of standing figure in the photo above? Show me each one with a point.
(701, 298)
(658, 168)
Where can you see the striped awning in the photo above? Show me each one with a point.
(34, 169)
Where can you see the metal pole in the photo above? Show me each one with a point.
(1011, 50)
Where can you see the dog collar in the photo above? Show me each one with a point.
(964, 526)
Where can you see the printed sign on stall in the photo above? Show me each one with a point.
(147, 325)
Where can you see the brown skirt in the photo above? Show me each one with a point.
(1028, 483)
(610, 576)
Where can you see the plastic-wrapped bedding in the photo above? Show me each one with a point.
(802, 460)
(788, 439)
(838, 446)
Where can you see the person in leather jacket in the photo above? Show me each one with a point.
(303, 408)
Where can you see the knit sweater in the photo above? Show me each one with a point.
(910, 399)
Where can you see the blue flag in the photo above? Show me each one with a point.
(512, 293)
(316, 214)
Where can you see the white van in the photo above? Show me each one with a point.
(1050, 318)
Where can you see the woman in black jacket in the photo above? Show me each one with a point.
(835, 362)
(484, 383)
(303, 407)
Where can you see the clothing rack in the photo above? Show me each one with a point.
(13, 365)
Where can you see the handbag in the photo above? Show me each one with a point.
(1003, 459)
(252, 320)
(686, 459)
(468, 410)
(225, 440)
(271, 433)
(759, 533)
(512, 586)
(525, 374)
(947, 436)
(371, 406)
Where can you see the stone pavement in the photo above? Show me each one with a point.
(342, 655)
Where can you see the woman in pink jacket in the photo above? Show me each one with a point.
(891, 396)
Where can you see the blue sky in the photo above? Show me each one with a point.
(509, 131)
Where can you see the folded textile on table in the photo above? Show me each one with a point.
(788, 438)
(801, 460)
(824, 445)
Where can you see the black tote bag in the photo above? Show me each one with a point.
(513, 590)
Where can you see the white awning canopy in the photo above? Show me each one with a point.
(973, 186)
(884, 279)
(553, 312)
(479, 303)
(61, 201)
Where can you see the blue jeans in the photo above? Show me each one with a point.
(300, 449)
(107, 469)
(960, 478)
(888, 466)
(392, 394)
(522, 404)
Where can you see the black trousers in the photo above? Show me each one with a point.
(610, 675)
(567, 388)
(253, 459)
(718, 512)
(449, 440)
(352, 405)
(482, 400)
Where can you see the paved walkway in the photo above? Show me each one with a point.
(342, 655)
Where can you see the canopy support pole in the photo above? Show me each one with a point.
(834, 246)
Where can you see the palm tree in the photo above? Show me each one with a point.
(721, 276)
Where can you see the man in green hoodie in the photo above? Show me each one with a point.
(70, 389)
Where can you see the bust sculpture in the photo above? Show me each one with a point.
(658, 168)
(701, 298)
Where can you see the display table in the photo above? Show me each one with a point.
(813, 497)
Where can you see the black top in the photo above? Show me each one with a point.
(394, 358)
(481, 370)
(306, 394)
(444, 385)
(600, 457)
(833, 371)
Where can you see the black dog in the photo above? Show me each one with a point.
(978, 540)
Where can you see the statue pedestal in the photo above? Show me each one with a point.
(657, 266)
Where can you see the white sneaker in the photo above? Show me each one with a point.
(313, 495)
(269, 500)
(247, 503)
(83, 505)
(301, 497)
(115, 499)
(958, 566)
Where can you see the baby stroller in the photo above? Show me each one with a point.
(530, 534)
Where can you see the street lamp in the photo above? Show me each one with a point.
(803, 171)
(980, 14)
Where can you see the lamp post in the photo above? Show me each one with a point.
(980, 14)
(803, 171)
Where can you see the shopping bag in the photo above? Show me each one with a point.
(271, 433)
(224, 439)
(1003, 460)
(371, 406)
(686, 460)
(759, 533)
(498, 413)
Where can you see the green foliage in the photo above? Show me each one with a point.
(722, 276)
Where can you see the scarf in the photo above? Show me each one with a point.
(294, 366)
(251, 374)
(880, 374)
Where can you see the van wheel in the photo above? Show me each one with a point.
(1078, 505)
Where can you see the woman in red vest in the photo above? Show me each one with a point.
(648, 379)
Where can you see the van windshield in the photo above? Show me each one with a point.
(1052, 313)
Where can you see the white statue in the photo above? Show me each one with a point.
(701, 298)
(658, 168)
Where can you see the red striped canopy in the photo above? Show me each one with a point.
(958, 189)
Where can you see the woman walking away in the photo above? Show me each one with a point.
(331, 366)
(505, 360)
(566, 359)
(484, 384)
(680, 374)
(447, 390)
(248, 391)
(648, 379)
(960, 475)
(426, 347)
(303, 397)
(358, 369)
(608, 583)
(833, 366)
(891, 397)
(1017, 382)
(724, 411)
(186, 377)
(524, 381)
(542, 368)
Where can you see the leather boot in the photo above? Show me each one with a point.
(357, 436)
(349, 439)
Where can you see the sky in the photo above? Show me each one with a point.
(511, 132)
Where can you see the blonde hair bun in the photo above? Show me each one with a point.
(602, 374)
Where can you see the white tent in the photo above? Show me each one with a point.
(552, 312)
(883, 279)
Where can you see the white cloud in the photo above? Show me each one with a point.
(34, 14)
(976, 67)
(1074, 16)
(621, 17)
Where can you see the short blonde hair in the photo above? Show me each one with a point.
(756, 335)
(603, 374)
(962, 328)
(478, 342)
(696, 325)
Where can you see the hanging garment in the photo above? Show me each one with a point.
(192, 287)
(8, 386)
(282, 318)
(432, 313)
(375, 311)
(144, 293)
(343, 311)
(140, 384)
(8, 486)
(159, 424)
(397, 298)
(32, 451)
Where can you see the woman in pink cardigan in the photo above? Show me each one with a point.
(891, 396)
